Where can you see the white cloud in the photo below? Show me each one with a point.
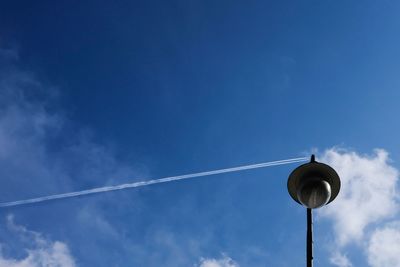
(367, 193)
(366, 202)
(43, 252)
(225, 261)
(384, 246)
(340, 260)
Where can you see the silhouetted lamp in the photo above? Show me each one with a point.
(313, 185)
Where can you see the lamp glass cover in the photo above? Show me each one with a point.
(314, 193)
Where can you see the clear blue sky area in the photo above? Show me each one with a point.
(146, 89)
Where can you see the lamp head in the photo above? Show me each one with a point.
(313, 184)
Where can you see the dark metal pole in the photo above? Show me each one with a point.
(309, 239)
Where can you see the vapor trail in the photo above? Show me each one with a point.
(149, 182)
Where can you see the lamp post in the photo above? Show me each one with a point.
(313, 185)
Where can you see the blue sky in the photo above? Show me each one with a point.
(98, 93)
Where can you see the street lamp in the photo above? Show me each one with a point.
(313, 185)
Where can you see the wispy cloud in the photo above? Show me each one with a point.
(40, 251)
(42, 152)
(9, 53)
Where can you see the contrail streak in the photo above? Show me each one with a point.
(149, 182)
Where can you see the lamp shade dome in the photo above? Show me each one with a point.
(313, 184)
